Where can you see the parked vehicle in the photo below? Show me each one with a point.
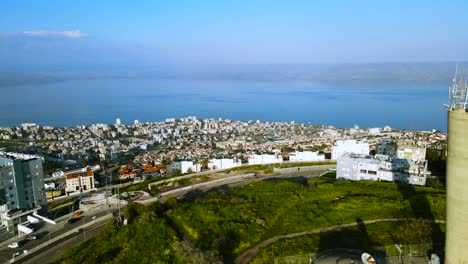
(31, 237)
(16, 254)
(13, 245)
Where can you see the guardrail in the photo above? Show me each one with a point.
(57, 238)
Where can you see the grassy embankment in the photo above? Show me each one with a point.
(229, 223)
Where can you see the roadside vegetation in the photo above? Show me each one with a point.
(269, 168)
(378, 239)
(223, 225)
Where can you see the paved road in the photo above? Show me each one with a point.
(247, 256)
(306, 172)
(52, 252)
(49, 232)
(63, 227)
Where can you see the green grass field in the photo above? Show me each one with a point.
(378, 239)
(229, 223)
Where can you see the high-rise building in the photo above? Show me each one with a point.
(118, 122)
(457, 175)
(22, 191)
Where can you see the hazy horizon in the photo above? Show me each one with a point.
(255, 32)
(98, 54)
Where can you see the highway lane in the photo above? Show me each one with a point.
(49, 232)
(239, 182)
(50, 253)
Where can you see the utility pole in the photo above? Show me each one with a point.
(118, 197)
(107, 194)
(84, 230)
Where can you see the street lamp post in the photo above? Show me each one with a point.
(84, 230)
(400, 251)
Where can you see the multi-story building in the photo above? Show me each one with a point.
(381, 168)
(344, 147)
(22, 192)
(184, 167)
(374, 131)
(264, 159)
(81, 180)
(219, 164)
(306, 156)
(402, 150)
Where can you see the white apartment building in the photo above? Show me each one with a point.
(264, 159)
(218, 164)
(374, 130)
(306, 156)
(381, 168)
(81, 180)
(351, 146)
(402, 150)
(184, 167)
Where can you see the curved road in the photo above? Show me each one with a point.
(247, 256)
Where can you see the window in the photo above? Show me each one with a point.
(363, 171)
(372, 172)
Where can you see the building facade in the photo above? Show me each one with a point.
(219, 164)
(381, 168)
(343, 147)
(402, 150)
(81, 180)
(184, 167)
(264, 159)
(306, 156)
(22, 192)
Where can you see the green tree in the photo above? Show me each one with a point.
(413, 232)
(132, 211)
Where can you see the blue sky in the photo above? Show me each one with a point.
(231, 32)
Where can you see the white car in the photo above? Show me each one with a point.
(13, 245)
(16, 254)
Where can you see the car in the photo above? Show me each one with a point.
(73, 220)
(31, 237)
(16, 254)
(13, 245)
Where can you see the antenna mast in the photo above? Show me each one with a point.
(458, 93)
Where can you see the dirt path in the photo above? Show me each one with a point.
(247, 256)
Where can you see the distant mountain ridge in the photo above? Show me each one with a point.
(436, 72)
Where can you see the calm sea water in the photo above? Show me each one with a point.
(101, 101)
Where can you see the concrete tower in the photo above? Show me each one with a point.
(456, 246)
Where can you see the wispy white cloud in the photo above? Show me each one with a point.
(47, 33)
